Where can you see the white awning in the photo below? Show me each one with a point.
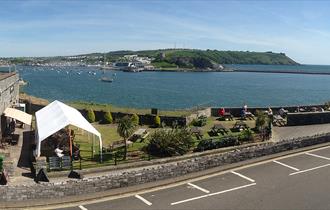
(56, 116)
(18, 115)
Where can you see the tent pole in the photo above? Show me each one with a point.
(100, 142)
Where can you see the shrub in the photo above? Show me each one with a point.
(90, 116)
(135, 119)
(261, 121)
(200, 121)
(157, 121)
(246, 135)
(209, 144)
(108, 117)
(170, 142)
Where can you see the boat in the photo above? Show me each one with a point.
(106, 79)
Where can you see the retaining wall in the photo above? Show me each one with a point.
(145, 119)
(308, 118)
(162, 169)
(236, 111)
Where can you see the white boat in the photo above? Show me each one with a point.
(106, 79)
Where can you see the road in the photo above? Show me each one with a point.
(300, 181)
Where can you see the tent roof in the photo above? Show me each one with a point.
(18, 115)
(58, 115)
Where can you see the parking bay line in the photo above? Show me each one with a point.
(307, 170)
(285, 165)
(244, 177)
(318, 156)
(212, 194)
(197, 187)
(82, 207)
(143, 200)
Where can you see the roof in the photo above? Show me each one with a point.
(18, 115)
(58, 115)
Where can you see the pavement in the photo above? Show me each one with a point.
(296, 181)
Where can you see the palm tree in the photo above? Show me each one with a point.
(125, 129)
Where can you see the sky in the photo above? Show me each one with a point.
(301, 29)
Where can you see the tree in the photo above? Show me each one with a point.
(125, 129)
(108, 117)
(262, 123)
(90, 116)
(135, 119)
(157, 121)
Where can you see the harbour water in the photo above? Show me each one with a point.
(178, 90)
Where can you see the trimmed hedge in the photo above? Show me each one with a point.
(108, 117)
(90, 116)
(215, 143)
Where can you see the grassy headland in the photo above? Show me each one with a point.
(204, 59)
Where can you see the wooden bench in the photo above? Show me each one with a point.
(54, 163)
(117, 144)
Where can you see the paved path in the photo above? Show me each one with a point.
(299, 181)
(21, 154)
(289, 132)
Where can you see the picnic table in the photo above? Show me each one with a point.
(249, 115)
(141, 133)
(219, 128)
(240, 126)
(227, 116)
(278, 120)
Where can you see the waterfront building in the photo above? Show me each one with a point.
(9, 92)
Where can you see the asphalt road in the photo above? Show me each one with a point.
(294, 182)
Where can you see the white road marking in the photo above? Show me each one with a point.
(212, 194)
(179, 183)
(143, 200)
(199, 188)
(319, 156)
(82, 208)
(244, 177)
(311, 169)
(291, 167)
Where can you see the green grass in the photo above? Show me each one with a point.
(109, 135)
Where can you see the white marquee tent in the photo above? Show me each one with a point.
(56, 116)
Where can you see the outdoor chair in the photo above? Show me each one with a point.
(66, 162)
(54, 163)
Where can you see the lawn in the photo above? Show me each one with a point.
(109, 135)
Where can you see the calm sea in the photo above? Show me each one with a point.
(174, 90)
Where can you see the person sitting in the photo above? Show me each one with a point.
(245, 107)
(222, 112)
(59, 152)
(282, 112)
(243, 114)
(270, 111)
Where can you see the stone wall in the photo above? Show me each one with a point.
(236, 111)
(308, 118)
(9, 89)
(160, 170)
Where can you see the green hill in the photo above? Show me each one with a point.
(203, 59)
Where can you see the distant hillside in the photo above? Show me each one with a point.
(169, 59)
(202, 59)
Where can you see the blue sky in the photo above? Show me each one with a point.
(301, 29)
